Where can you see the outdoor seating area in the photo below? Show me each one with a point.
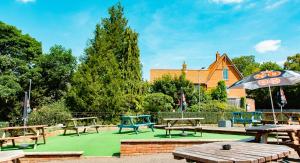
(205, 81)
(182, 129)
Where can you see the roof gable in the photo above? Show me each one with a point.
(212, 68)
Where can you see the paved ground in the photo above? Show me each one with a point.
(157, 158)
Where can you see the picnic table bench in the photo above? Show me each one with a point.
(194, 125)
(240, 152)
(135, 122)
(290, 138)
(28, 132)
(81, 124)
(11, 156)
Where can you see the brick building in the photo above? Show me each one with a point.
(221, 69)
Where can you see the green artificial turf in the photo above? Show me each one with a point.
(107, 143)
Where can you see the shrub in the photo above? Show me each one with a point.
(131, 104)
(50, 114)
(158, 102)
(213, 106)
(219, 93)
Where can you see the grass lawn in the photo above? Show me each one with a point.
(107, 143)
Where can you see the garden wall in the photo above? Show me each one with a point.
(142, 147)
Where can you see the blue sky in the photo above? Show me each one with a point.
(170, 31)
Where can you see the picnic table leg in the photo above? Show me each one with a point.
(293, 137)
(264, 138)
(120, 129)
(97, 129)
(136, 130)
(258, 137)
(13, 142)
(77, 132)
(44, 137)
(152, 128)
(1, 143)
(35, 143)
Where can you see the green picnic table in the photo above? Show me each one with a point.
(135, 122)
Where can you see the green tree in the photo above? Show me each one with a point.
(246, 64)
(56, 69)
(293, 62)
(219, 93)
(269, 66)
(109, 76)
(18, 56)
(292, 92)
(172, 86)
(158, 102)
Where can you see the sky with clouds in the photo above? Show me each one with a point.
(170, 31)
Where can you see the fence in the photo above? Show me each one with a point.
(157, 117)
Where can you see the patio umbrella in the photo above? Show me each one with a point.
(268, 79)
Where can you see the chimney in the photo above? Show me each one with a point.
(218, 56)
(184, 70)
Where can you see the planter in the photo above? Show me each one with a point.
(224, 123)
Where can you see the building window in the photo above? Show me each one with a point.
(225, 74)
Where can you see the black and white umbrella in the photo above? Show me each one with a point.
(268, 78)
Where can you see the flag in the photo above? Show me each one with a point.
(281, 99)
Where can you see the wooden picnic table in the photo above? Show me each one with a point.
(135, 122)
(240, 152)
(194, 124)
(30, 132)
(192, 121)
(81, 123)
(293, 132)
(12, 156)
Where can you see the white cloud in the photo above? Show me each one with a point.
(227, 1)
(26, 1)
(276, 4)
(267, 46)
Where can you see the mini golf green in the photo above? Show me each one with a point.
(107, 143)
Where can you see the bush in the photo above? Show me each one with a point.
(158, 102)
(131, 104)
(50, 114)
(214, 106)
(219, 93)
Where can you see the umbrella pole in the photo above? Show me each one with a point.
(274, 116)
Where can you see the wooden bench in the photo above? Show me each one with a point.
(246, 118)
(183, 128)
(4, 140)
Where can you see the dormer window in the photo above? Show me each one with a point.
(225, 74)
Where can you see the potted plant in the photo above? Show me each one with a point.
(222, 122)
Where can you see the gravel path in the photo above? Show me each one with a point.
(157, 158)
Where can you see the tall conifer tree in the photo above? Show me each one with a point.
(110, 69)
